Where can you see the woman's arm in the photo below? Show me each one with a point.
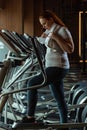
(66, 44)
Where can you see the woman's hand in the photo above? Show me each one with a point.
(44, 35)
(65, 44)
(52, 35)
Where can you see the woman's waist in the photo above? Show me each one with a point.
(56, 55)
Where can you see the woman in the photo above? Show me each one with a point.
(58, 42)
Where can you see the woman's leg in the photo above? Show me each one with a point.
(33, 94)
(57, 90)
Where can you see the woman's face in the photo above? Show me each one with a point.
(46, 24)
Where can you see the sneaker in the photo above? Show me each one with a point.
(24, 120)
(28, 120)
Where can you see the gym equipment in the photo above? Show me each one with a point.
(75, 88)
(78, 92)
(80, 114)
(26, 66)
(84, 114)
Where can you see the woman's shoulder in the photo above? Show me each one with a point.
(63, 31)
(60, 28)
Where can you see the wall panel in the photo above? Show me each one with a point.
(28, 16)
(32, 8)
(11, 16)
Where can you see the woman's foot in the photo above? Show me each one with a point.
(28, 120)
(25, 120)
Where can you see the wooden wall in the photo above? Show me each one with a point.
(11, 16)
(21, 15)
(28, 16)
(32, 8)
